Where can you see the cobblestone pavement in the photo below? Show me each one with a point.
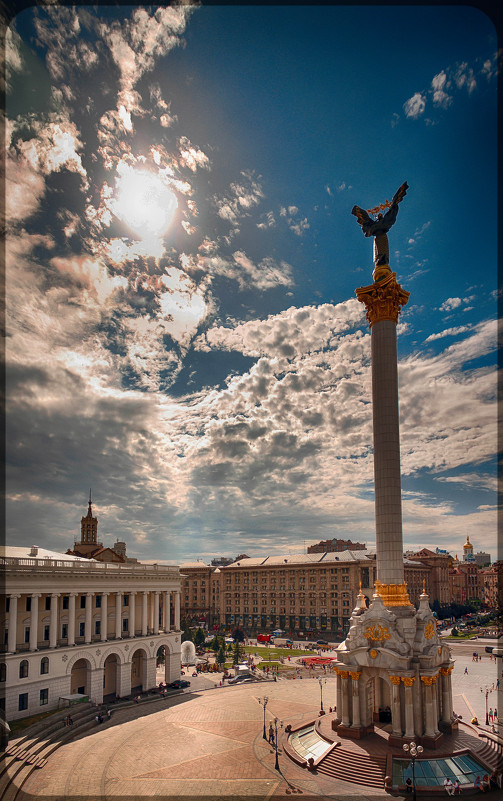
(208, 743)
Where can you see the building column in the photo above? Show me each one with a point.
(446, 695)
(434, 704)
(132, 613)
(155, 628)
(34, 621)
(429, 728)
(177, 611)
(396, 714)
(118, 615)
(89, 618)
(53, 623)
(144, 611)
(12, 641)
(355, 676)
(409, 706)
(345, 699)
(71, 618)
(167, 611)
(104, 616)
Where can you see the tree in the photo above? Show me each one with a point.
(187, 634)
(220, 660)
(216, 643)
(199, 637)
(238, 635)
(237, 653)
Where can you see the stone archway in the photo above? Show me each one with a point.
(139, 670)
(110, 669)
(80, 677)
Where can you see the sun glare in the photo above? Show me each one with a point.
(145, 203)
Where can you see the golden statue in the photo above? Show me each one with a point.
(380, 227)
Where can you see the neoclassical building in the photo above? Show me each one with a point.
(77, 626)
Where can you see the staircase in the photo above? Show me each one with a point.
(357, 768)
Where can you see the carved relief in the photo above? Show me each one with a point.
(377, 632)
(429, 630)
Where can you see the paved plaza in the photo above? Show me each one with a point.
(207, 742)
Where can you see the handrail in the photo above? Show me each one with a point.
(85, 565)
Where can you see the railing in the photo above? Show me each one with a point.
(89, 566)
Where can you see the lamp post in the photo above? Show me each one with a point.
(322, 682)
(276, 721)
(263, 702)
(414, 751)
(487, 690)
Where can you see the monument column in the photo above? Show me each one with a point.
(396, 713)
(383, 300)
(446, 695)
(409, 706)
(355, 677)
(345, 698)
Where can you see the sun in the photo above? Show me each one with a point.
(144, 202)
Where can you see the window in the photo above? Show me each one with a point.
(27, 634)
(3, 671)
(44, 697)
(47, 603)
(82, 601)
(23, 702)
(7, 604)
(98, 602)
(82, 629)
(6, 636)
(125, 624)
(65, 601)
(126, 600)
(44, 665)
(28, 603)
(64, 631)
(23, 669)
(97, 626)
(46, 633)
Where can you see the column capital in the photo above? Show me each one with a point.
(355, 674)
(428, 681)
(35, 594)
(89, 594)
(383, 299)
(14, 595)
(408, 680)
(55, 594)
(395, 680)
(73, 594)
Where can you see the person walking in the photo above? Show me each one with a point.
(466, 670)
(271, 734)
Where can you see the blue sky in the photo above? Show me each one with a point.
(183, 334)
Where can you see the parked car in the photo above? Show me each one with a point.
(321, 642)
(240, 679)
(179, 684)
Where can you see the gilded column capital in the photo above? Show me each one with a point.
(429, 680)
(408, 680)
(342, 673)
(395, 680)
(355, 674)
(383, 299)
(446, 671)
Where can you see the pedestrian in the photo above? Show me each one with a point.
(70, 720)
(109, 714)
(497, 684)
(457, 787)
(466, 670)
(491, 719)
(271, 734)
(97, 720)
(477, 785)
(449, 788)
(408, 785)
(495, 714)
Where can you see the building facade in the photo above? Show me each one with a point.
(326, 546)
(302, 592)
(77, 626)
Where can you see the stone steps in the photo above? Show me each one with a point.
(355, 768)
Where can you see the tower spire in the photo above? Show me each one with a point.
(90, 509)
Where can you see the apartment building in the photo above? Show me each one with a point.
(77, 627)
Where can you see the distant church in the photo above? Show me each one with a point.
(90, 548)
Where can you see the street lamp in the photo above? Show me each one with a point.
(487, 690)
(414, 750)
(263, 702)
(276, 721)
(322, 682)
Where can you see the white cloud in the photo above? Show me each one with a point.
(414, 107)
(449, 332)
(439, 85)
(450, 303)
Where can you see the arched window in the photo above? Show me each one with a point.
(3, 671)
(44, 665)
(23, 669)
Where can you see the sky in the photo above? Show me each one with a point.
(183, 334)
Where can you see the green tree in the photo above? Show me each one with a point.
(199, 637)
(237, 653)
(187, 634)
(220, 660)
(216, 643)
